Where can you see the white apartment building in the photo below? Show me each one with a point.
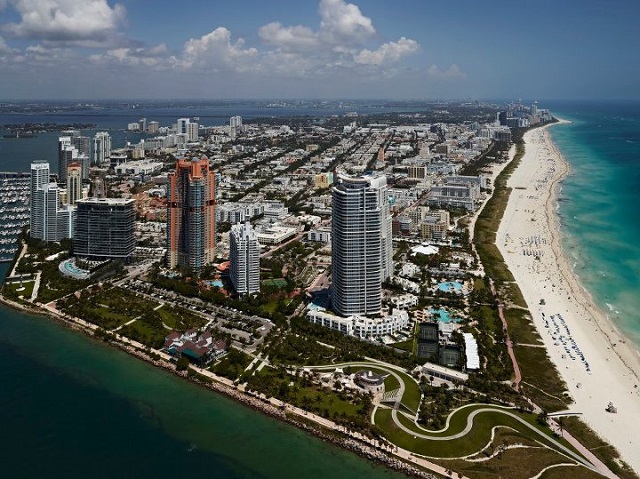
(361, 326)
(245, 259)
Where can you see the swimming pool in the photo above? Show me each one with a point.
(443, 316)
(450, 287)
(68, 267)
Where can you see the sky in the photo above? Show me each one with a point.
(319, 49)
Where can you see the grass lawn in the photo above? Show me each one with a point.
(457, 423)
(477, 438)
(521, 328)
(179, 318)
(405, 345)
(232, 365)
(312, 397)
(277, 282)
(326, 401)
(412, 393)
(515, 464)
(105, 318)
(269, 307)
(11, 290)
(144, 333)
(390, 382)
(538, 370)
(166, 316)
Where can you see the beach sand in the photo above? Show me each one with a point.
(597, 363)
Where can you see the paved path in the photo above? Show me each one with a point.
(509, 343)
(468, 427)
(400, 393)
(36, 287)
(22, 252)
(590, 463)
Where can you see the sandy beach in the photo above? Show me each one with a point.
(597, 363)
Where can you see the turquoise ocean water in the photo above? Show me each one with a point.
(599, 205)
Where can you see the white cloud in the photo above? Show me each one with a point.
(215, 50)
(157, 56)
(4, 48)
(336, 45)
(388, 52)
(453, 72)
(342, 51)
(296, 38)
(81, 22)
(344, 23)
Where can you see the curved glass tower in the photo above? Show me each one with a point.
(362, 252)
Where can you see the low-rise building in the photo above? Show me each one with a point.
(361, 326)
(199, 348)
(140, 167)
(322, 235)
(404, 301)
(276, 235)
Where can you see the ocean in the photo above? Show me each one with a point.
(598, 205)
(73, 407)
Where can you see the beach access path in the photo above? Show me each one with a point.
(597, 363)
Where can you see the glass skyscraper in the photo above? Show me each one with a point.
(362, 253)
(105, 229)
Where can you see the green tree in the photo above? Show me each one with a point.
(182, 364)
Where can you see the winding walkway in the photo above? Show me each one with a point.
(494, 409)
(429, 435)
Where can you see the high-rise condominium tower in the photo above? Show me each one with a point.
(48, 220)
(105, 229)
(187, 127)
(74, 183)
(362, 254)
(191, 215)
(245, 259)
(101, 148)
(39, 178)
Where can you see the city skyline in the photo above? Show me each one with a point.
(68, 49)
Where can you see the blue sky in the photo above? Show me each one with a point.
(405, 49)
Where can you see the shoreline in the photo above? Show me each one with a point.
(597, 363)
(319, 427)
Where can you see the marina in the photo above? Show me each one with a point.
(14, 211)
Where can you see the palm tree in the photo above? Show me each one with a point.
(561, 421)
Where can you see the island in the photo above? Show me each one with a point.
(392, 283)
